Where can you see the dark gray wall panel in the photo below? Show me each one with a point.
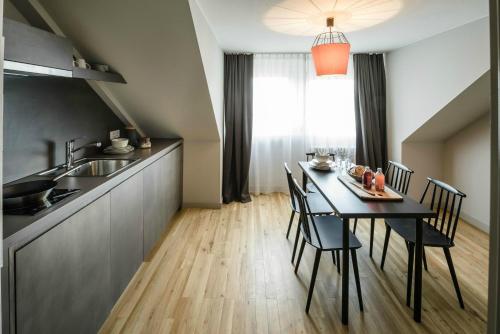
(41, 114)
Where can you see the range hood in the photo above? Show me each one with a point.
(22, 69)
(31, 51)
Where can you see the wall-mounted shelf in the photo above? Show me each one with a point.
(87, 74)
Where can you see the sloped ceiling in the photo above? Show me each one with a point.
(153, 45)
(464, 109)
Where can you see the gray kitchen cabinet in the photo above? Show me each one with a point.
(173, 175)
(153, 204)
(62, 278)
(162, 195)
(67, 277)
(126, 233)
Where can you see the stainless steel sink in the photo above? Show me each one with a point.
(99, 167)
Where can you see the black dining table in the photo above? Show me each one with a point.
(348, 205)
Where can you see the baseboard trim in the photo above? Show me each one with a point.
(198, 205)
(474, 222)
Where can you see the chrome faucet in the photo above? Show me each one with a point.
(70, 150)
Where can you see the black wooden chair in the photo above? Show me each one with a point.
(398, 177)
(325, 234)
(437, 232)
(310, 187)
(318, 206)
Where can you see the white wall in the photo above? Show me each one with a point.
(213, 61)
(426, 160)
(423, 77)
(202, 181)
(437, 78)
(203, 159)
(467, 167)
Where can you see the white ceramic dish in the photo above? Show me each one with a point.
(119, 142)
(322, 158)
(122, 150)
(321, 165)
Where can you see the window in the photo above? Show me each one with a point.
(294, 112)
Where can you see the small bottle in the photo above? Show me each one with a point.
(379, 180)
(367, 178)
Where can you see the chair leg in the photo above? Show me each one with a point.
(372, 231)
(453, 276)
(300, 254)
(355, 225)
(333, 258)
(337, 252)
(313, 278)
(290, 224)
(386, 243)
(425, 259)
(356, 277)
(296, 241)
(411, 257)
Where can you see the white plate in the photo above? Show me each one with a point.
(113, 150)
(317, 163)
(321, 166)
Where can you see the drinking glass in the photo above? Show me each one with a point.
(347, 164)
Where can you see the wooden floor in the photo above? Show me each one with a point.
(229, 270)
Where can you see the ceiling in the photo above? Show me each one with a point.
(370, 25)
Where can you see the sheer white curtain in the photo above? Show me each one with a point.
(294, 112)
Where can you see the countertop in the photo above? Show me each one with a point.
(21, 229)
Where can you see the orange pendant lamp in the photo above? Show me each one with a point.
(330, 51)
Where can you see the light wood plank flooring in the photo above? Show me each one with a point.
(229, 270)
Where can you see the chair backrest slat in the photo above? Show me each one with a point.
(404, 182)
(425, 193)
(397, 184)
(451, 215)
(305, 213)
(433, 197)
(447, 217)
(289, 179)
(443, 218)
(392, 175)
(398, 176)
(302, 210)
(456, 218)
(438, 210)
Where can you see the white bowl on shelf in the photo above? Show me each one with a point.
(119, 142)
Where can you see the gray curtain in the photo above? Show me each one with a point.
(370, 110)
(238, 95)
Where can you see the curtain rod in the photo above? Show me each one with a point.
(298, 53)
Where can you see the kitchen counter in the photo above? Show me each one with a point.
(22, 229)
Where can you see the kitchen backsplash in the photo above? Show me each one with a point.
(41, 114)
